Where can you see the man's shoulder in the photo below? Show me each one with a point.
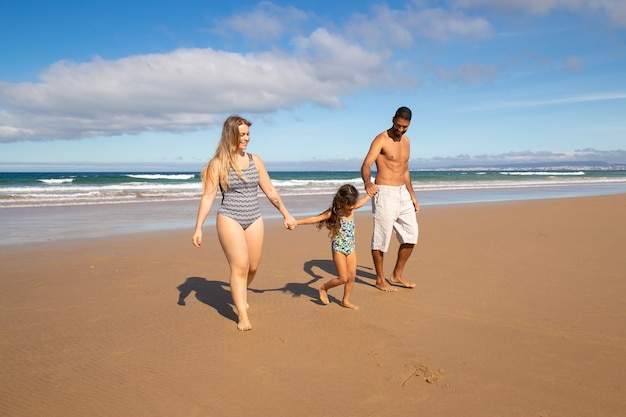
(382, 135)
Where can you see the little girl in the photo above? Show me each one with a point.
(339, 219)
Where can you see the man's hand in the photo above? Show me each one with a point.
(371, 189)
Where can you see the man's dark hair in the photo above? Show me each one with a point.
(403, 113)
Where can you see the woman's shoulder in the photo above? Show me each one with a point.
(258, 162)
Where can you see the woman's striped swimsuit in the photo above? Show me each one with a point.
(241, 202)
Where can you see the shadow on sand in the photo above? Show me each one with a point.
(215, 294)
(309, 288)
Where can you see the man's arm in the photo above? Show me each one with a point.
(366, 169)
(409, 187)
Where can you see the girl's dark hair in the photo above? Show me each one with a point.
(343, 201)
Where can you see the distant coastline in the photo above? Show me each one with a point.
(587, 159)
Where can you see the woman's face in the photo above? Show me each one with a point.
(244, 137)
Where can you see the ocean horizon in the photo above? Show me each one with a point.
(39, 206)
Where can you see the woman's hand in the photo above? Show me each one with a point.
(196, 239)
(290, 223)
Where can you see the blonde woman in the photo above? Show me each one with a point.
(239, 224)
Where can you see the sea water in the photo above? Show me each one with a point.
(53, 206)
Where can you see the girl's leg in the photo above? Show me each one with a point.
(351, 276)
(233, 240)
(341, 262)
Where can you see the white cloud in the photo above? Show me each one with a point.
(466, 74)
(552, 102)
(179, 91)
(266, 22)
(404, 27)
(614, 10)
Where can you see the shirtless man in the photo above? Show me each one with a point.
(394, 205)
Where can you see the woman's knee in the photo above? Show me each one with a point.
(253, 268)
(240, 270)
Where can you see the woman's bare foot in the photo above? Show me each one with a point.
(348, 304)
(401, 282)
(323, 295)
(237, 311)
(244, 325)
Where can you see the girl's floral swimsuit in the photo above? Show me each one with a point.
(344, 241)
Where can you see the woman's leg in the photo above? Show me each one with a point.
(233, 241)
(254, 239)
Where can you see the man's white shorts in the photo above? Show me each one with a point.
(393, 209)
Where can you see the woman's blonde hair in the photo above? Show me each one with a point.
(228, 144)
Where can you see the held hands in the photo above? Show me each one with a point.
(290, 223)
(371, 189)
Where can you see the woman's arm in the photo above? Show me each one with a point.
(210, 181)
(272, 195)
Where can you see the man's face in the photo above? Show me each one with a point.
(400, 126)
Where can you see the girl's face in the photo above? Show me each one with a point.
(244, 137)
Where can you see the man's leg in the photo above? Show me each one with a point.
(397, 276)
(381, 282)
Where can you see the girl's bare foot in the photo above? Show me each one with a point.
(323, 295)
(348, 304)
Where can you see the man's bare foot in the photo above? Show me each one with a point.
(401, 282)
(385, 287)
(323, 295)
(244, 325)
(348, 304)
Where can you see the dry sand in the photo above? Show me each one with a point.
(520, 310)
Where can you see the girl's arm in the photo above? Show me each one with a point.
(206, 201)
(314, 219)
(362, 201)
(272, 195)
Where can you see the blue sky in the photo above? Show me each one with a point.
(148, 84)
